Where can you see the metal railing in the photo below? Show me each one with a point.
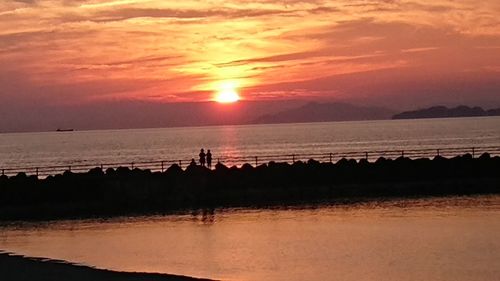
(162, 165)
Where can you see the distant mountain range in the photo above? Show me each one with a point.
(136, 114)
(445, 112)
(130, 114)
(323, 112)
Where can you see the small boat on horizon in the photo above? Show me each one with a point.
(64, 130)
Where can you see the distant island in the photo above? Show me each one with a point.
(142, 114)
(445, 112)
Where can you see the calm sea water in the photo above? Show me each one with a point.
(453, 239)
(428, 239)
(126, 146)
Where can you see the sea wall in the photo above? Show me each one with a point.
(123, 191)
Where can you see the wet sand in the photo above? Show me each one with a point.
(19, 268)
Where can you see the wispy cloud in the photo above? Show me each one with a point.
(183, 49)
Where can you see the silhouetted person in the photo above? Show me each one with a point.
(209, 159)
(193, 163)
(202, 157)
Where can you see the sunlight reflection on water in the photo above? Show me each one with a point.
(420, 239)
(126, 146)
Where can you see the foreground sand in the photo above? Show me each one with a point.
(18, 268)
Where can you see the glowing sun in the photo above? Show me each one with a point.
(227, 93)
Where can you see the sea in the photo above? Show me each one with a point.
(445, 239)
(450, 238)
(238, 144)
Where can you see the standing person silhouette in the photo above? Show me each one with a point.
(209, 159)
(202, 157)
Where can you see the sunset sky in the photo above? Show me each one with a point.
(415, 52)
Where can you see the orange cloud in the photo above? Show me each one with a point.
(75, 50)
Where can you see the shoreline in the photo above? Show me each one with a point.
(15, 267)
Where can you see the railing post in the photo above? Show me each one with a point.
(473, 151)
(3, 172)
(366, 155)
(256, 161)
(293, 158)
(438, 152)
(36, 171)
(132, 165)
(162, 166)
(402, 153)
(331, 157)
(69, 168)
(180, 163)
(102, 167)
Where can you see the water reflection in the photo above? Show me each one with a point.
(422, 239)
(205, 216)
(230, 152)
(126, 146)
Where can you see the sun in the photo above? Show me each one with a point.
(227, 93)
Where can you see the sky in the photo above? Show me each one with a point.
(398, 54)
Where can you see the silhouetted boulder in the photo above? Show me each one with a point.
(246, 167)
(439, 158)
(342, 162)
(466, 156)
(312, 162)
(96, 172)
(124, 191)
(381, 161)
(484, 156)
(363, 162)
(122, 171)
(174, 169)
(194, 169)
(21, 176)
(221, 167)
(261, 167)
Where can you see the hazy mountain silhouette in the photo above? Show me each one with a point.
(141, 114)
(323, 112)
(136, 114)
(445, 112)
